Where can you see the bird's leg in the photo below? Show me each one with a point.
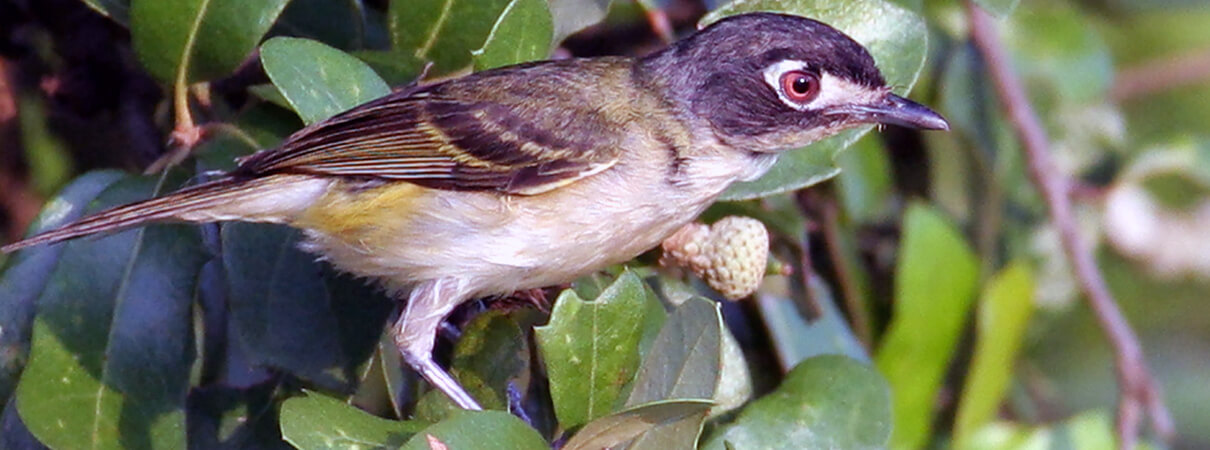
(414, 334)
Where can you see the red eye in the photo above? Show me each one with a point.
(800, 86)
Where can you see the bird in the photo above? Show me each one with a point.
(535, 174)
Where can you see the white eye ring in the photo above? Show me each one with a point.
(773, 76)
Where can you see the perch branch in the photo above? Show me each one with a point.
(1138, 391)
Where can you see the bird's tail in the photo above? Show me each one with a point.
(270, 199)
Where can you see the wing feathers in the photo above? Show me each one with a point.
(452, 136)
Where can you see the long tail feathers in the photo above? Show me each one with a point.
(206, 202)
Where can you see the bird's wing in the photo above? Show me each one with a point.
(440, 138)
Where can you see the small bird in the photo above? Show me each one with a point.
(536, 174)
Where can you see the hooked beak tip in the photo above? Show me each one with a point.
(896, 110)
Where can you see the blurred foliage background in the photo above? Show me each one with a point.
(918, 297)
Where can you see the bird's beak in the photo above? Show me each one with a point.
(896, 110)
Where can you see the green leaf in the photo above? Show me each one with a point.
(795, 339)
(865, 185)
(1059, 53)
(197, 40)
(113, 341)
(118, 10)
(1003, 314)
(317, 421)
(683, 363)
(896, 37)
(618, 428)
(571, 16)
(999, 8)
(825, 402)
(492, 355)
(935, 281)
(470, 430)
(591, 349)
(684, 359)
(395, 68)
(522, 33)
(28, 271)
(280, 306)
(1087, 430)
(443, 31)
(319, 81)
(339, 23)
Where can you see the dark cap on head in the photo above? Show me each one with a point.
(736, 74)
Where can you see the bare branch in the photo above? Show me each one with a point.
(1162, 74)
(1137, 388)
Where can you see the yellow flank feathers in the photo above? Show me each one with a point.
(357, 215)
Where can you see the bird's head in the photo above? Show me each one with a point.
(769, 82)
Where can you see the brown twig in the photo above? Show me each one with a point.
(1163, 74)
(1138, 390)
(850, 288)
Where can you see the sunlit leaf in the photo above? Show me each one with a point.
(472, 430)
(443, 31)
(316, 421)
(522, 33)
(825, 402)
(318, 80)
(935, 282)
(1004, 312)
(198, 40)
(591, 349)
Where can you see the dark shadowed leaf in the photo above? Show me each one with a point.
(443, 31)
(618, 428)
(492, 355)
(280, 304)
(316, 421)
(112, 341)
(13, 432)
(897, 39)
(591, 349)
(684, 363)
(27, 272)
(684, 359)
(827, 401)
(319, 81)
(522, 33)
(198, 39)
(935, 280)
(339, 23)
(472, 430)
(396, 68)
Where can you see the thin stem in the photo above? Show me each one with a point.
(1137, 390)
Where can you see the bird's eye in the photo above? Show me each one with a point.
(799, 86)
